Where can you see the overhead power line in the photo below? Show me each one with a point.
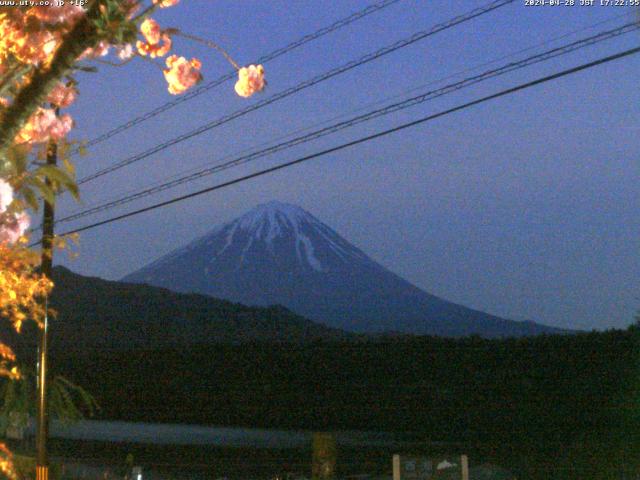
(409, 102)
(361, 108)
(232, 74)
(476, 12)
(367, 138)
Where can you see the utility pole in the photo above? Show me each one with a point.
(42, 427)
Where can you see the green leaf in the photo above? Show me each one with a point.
(31, 198)
(45, 190)
(59, 178)
(82, 150)
(69, 166)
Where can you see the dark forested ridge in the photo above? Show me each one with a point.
(569, 400)
(540, 396)
(461, 388)
(308, 376)
(100, 314)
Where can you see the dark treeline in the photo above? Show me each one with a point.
(561, 402)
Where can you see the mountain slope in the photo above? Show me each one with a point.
(280, 254)
(95, 313)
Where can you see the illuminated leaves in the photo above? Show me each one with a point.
(21, 292)
(68, 402)
(43, 181)
(21, 287)
(6, 462)
(40, 49)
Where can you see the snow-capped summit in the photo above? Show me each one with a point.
(278, 253)
(286, 234)
(316, 245)
(272, 212)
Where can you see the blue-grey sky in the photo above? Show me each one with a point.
(525, 207)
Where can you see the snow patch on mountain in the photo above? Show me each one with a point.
(304, 242)
(316, 246)
(228, 242)
(269, 222)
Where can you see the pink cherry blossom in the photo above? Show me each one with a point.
(182, 74)
(100, 50)
(165, 3)
(67, 14)
(44, 124)
(250, 80)
(157, 42)
(62, 95)
(13, 226)
(151, 31)
(6, 195)
(159, 49)
(25, 37)
(37, 128)
(124, 52)
(32, 47)
(61, 127)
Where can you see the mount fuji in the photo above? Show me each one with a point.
(280, 254)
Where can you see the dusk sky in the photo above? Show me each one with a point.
(525, 207)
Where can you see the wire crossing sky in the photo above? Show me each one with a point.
(523, 208)
(416, 37)
(369, 138)
(375, 7)
(410, 102)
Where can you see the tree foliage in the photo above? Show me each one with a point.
(42, 48)
(68, 402)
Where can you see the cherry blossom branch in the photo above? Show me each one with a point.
(208, 43)
(145, 13)
(15, 72)
(114, 64)
(81, 37)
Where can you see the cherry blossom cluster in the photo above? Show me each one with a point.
(250, 80)
(29, 39)
(157, 43)
(182, 74)
(45, 124)
(12, 225)
(31, 36)
(166, 3)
